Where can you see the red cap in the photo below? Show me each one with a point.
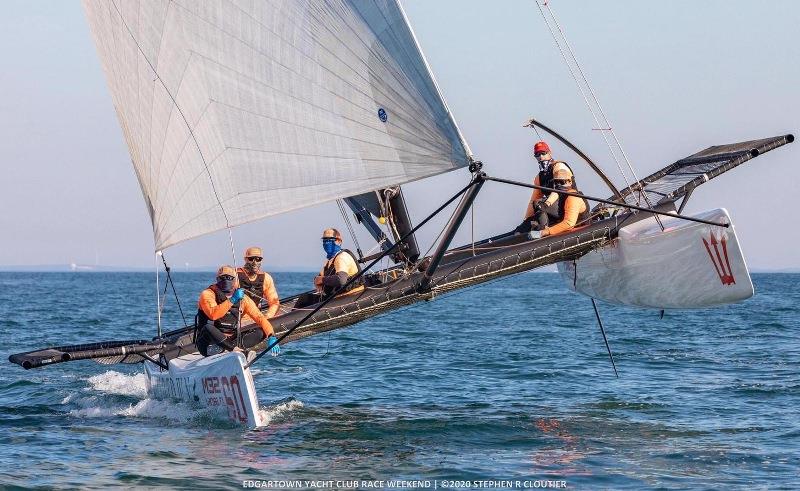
(541, 147)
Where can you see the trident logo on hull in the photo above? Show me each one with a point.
(723, 269)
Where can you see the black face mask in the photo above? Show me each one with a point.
(252, 266)
(226, 286)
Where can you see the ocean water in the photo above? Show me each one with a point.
(506, 381)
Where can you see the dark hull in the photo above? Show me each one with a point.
(460, 268)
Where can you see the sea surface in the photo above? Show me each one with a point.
(506, 381)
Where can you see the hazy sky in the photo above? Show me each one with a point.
(674, 78)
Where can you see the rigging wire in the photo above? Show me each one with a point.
(346, 218)
(388, 227)
(388, 194)
(238, 310)
(581, 90)
(609, 202)
(174, 291)
(435, 241)
(605, 125)
(594, 96)
(377, 246)
(164, 299)
(158, 294)
(472, 219)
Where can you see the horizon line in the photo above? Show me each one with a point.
(86, 268)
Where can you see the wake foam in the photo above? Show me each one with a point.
(270, 413)
(112, 382)
(174, 412)
(101, 399)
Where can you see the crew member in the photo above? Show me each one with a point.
(542, 204)
(568, 210)
(218, 312)
(257, 284)
(341, 265)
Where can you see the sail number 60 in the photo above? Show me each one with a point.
(230, 393)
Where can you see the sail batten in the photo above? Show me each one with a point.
(264, 107)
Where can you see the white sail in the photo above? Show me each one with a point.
(234, 110)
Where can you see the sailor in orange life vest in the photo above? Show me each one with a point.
(542, 207)
(567, 211)
(257, 284)
(341, 265)
(218, 316)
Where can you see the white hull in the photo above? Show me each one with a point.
(219, 382)
(688, 265)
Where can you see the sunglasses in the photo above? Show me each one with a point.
(562, 182)
(226, 277)
(255, 258)
(329, 239)
(539, 154)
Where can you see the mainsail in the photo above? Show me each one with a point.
(236, 110)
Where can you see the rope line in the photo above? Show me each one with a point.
(158, 296)
(422, 257)
(582, 91)
(346, 218)
(606, 125)
(164, 299)
(174, 291)
(472, 231)
(594, 97)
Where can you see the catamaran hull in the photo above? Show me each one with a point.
(219, 382)
(688, 265)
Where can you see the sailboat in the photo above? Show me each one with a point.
(237, 111)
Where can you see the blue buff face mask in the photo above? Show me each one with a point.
(331, 247)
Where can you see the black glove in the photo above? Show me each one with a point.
(541, 204)
(524, 227)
